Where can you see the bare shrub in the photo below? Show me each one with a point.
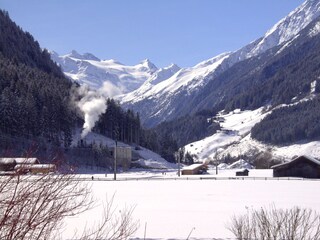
(276, 224)
(33, 207)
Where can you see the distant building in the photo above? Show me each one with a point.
(7, 164)
(124, 156)
(25, 165)
(35, 168)
(27, 160)
(194, 169)
(244, 172)
(303, 166)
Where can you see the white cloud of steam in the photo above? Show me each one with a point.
(92, 109)
(108, 90)
(93, 103)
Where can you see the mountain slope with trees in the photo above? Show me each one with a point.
(285, 74)
(35, 95)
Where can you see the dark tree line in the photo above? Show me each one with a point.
(34, 103)
(290, 124)
(35, 96)
(187, 129)
(20, 47)
(119, 124)
(169, 136)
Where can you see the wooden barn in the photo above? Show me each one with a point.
(194, 169)
(35, 168)
(24, 165)
(303, 166)
(7, 164)
(244, 172)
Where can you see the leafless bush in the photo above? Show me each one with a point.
(33, 207)
(112, 226)
(276, 224)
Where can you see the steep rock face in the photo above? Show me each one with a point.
(171, 98)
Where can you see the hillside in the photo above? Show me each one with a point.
(234, 141)
(205, 85)
(35, 95)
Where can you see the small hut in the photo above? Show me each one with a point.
(7, 164)
(303, 166)
(198, 168)
(244, 172)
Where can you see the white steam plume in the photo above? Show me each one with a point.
(93, 103)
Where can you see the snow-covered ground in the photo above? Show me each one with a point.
(172, 209)
(234, 139)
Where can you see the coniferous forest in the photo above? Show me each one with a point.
(35, 95)
(290, 124)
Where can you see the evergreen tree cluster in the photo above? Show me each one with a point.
(119, 124)
(187, 129)
(284, 77)
(34, 94)
(289, 124)
(169, 136)
(20, 47)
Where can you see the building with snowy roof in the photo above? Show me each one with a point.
(303, 166)
(7, 164)
(198, 168)
(25, 165)
(35, 168)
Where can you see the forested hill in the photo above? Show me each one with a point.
(34, 94)
(20, 47)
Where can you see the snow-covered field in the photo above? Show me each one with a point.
(171, 208)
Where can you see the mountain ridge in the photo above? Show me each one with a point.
(89, 69)
(165, 105)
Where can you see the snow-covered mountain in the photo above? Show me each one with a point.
(88, 69)
(164, 100)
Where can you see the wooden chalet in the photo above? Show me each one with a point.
(303, 166)
(24, 165)
(194, 169)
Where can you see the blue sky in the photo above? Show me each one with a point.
(184, 32)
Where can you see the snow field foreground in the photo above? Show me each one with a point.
(171, 209)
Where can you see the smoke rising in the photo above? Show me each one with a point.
(92, 103)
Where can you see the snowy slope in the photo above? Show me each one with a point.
(235, 140)
(91, 70)
(235, 128)
(161, 101)
(190, 77)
